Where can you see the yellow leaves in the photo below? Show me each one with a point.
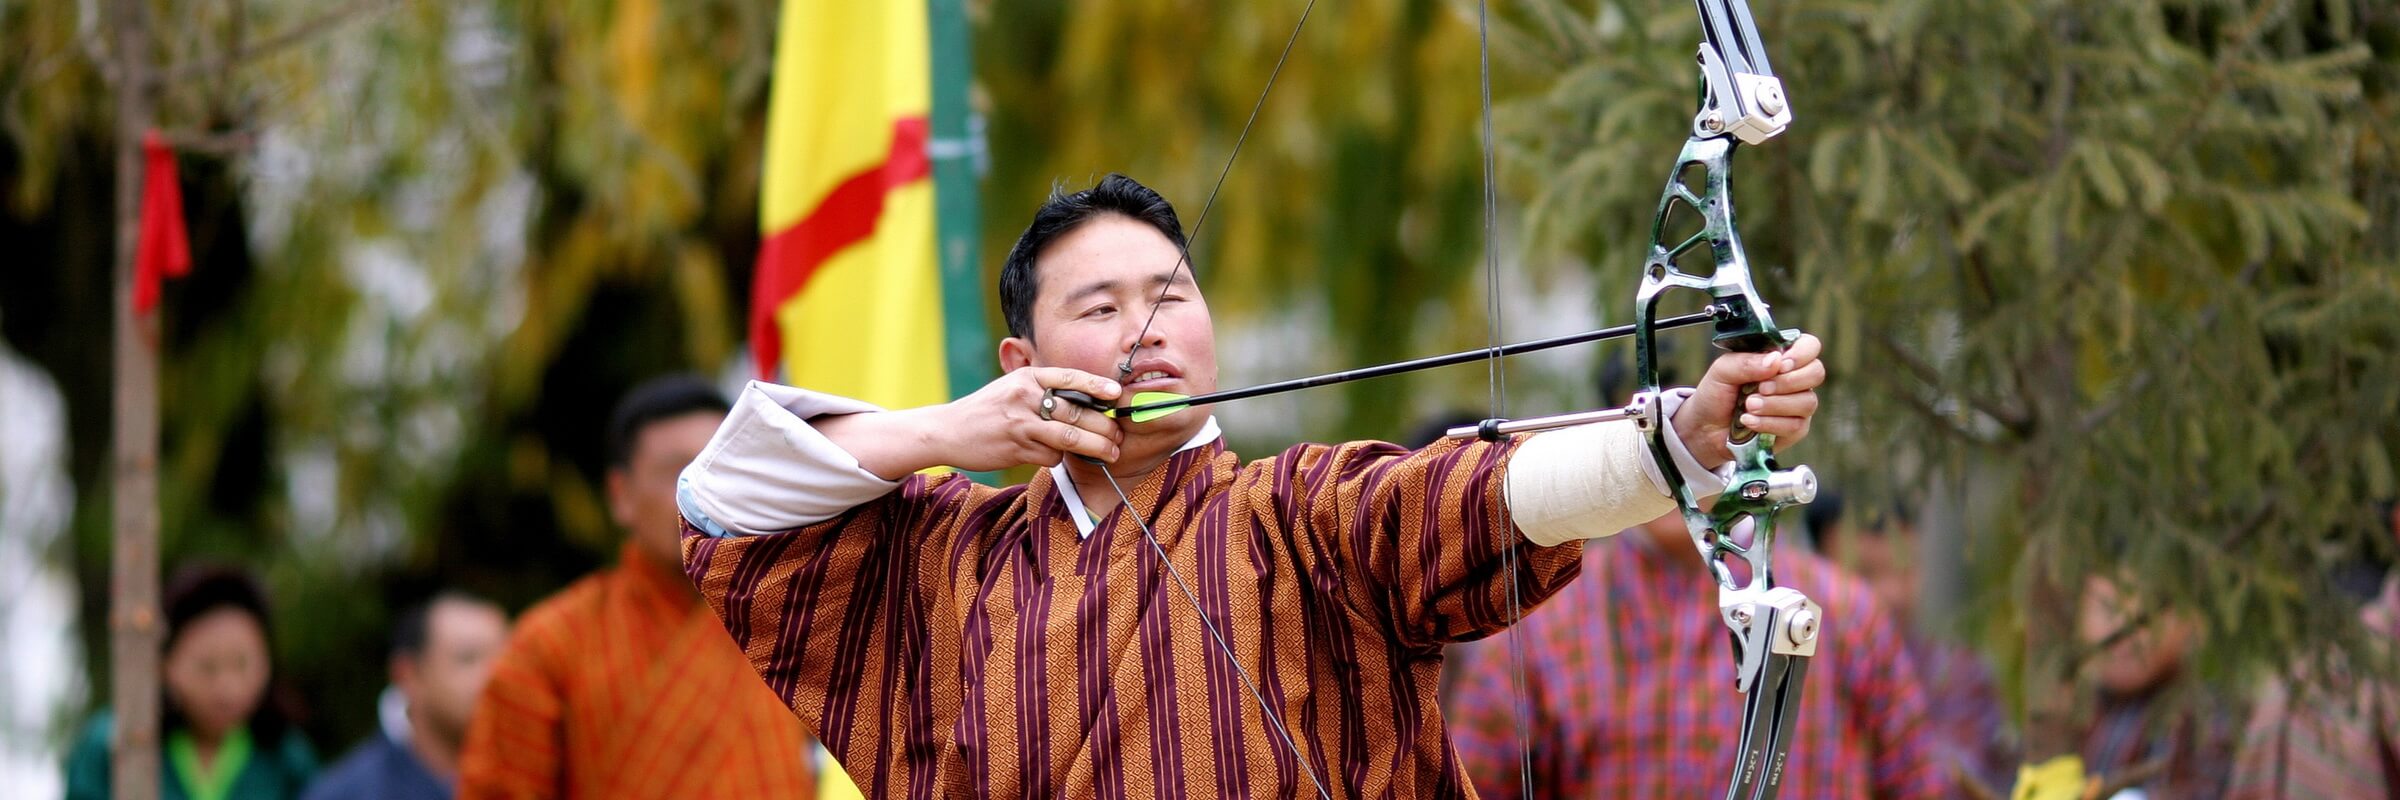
(701, 294)
(633, 58)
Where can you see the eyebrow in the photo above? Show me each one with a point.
(1170, 278)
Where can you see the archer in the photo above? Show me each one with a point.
(1152, 615)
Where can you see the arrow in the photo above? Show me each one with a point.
(1147, 406)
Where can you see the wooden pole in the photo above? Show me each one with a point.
(133, 616)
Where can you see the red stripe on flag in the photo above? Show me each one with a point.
(846, 217)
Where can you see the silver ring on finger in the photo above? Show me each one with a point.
(1049, 404)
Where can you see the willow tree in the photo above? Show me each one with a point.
(433, 241)
(2118, 275)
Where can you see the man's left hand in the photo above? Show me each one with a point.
(1785, 400)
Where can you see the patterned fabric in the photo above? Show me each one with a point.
(623, 685)
(1962, 703)
(2129, 731)
(1629, 678)
(2343, 747)
(952, 640)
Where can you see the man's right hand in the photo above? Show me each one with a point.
(997, 427)
(1001, 425)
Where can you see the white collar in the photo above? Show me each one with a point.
(1074, 500)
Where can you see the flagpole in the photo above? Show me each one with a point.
(959, 161)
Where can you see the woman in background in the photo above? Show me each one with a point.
(222, 740)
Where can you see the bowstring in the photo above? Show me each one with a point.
(1496, 375)
(1183, 251)
(1264, 710)
(1183, 258)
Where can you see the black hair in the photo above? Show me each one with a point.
(1827, 523)
(1823, 516)
(1062, 214)
(661, 398)
(195, 591)
(414, 627)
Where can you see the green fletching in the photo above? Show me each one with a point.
(1154, 398)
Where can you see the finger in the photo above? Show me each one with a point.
(1085, 419)
(1736, 369)
(1804, 350)
(1078, 380)
(1785, 440)
(1783, 405)
(1780, 427)
(1071, 439)
(1805, 379)
(1040, 456)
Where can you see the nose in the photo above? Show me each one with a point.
(1145, 337)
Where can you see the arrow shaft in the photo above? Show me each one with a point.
(1420, 364)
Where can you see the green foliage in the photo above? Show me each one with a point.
(433, 242)
(2113, 264)
(2125, 269)
(1358, 193)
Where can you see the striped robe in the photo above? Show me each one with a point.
(622, 686)
(2344, 745)
(952, 639)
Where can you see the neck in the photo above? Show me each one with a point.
(670, 570)
(205, 745)
(437, 752)
(1099, 496)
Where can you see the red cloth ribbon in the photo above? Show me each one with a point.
(164, 249)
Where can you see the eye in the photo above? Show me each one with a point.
(1101, 310)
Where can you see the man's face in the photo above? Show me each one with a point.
(641, 494)
(462, 638)
(2147, 657)
(1096, 287)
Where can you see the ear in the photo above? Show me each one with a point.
(620, 497)
(1015, 354)
(404, 674)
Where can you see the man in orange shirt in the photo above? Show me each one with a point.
(623, 684)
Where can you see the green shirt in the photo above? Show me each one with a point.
(243, 770)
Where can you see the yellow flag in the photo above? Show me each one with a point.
(847, 296)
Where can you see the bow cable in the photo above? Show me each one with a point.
(1495, 375)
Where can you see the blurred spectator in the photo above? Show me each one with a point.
(442, 651)
(1630, 677)
(2137, 722)
(2345, 746)
(1968, 727)
(624, 684)
(221, 736)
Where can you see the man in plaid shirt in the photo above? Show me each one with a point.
(1629, 676)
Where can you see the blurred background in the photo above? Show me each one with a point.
(2110, 288)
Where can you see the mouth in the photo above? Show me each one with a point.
(1151, 374)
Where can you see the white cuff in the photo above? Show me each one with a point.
(766, 470)
(1702, 480)
(1591, 481)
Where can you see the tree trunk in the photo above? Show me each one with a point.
(133, 602)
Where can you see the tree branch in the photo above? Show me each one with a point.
(1936, 417)
(2141, 383)
(298, 34)
(2015, 420)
